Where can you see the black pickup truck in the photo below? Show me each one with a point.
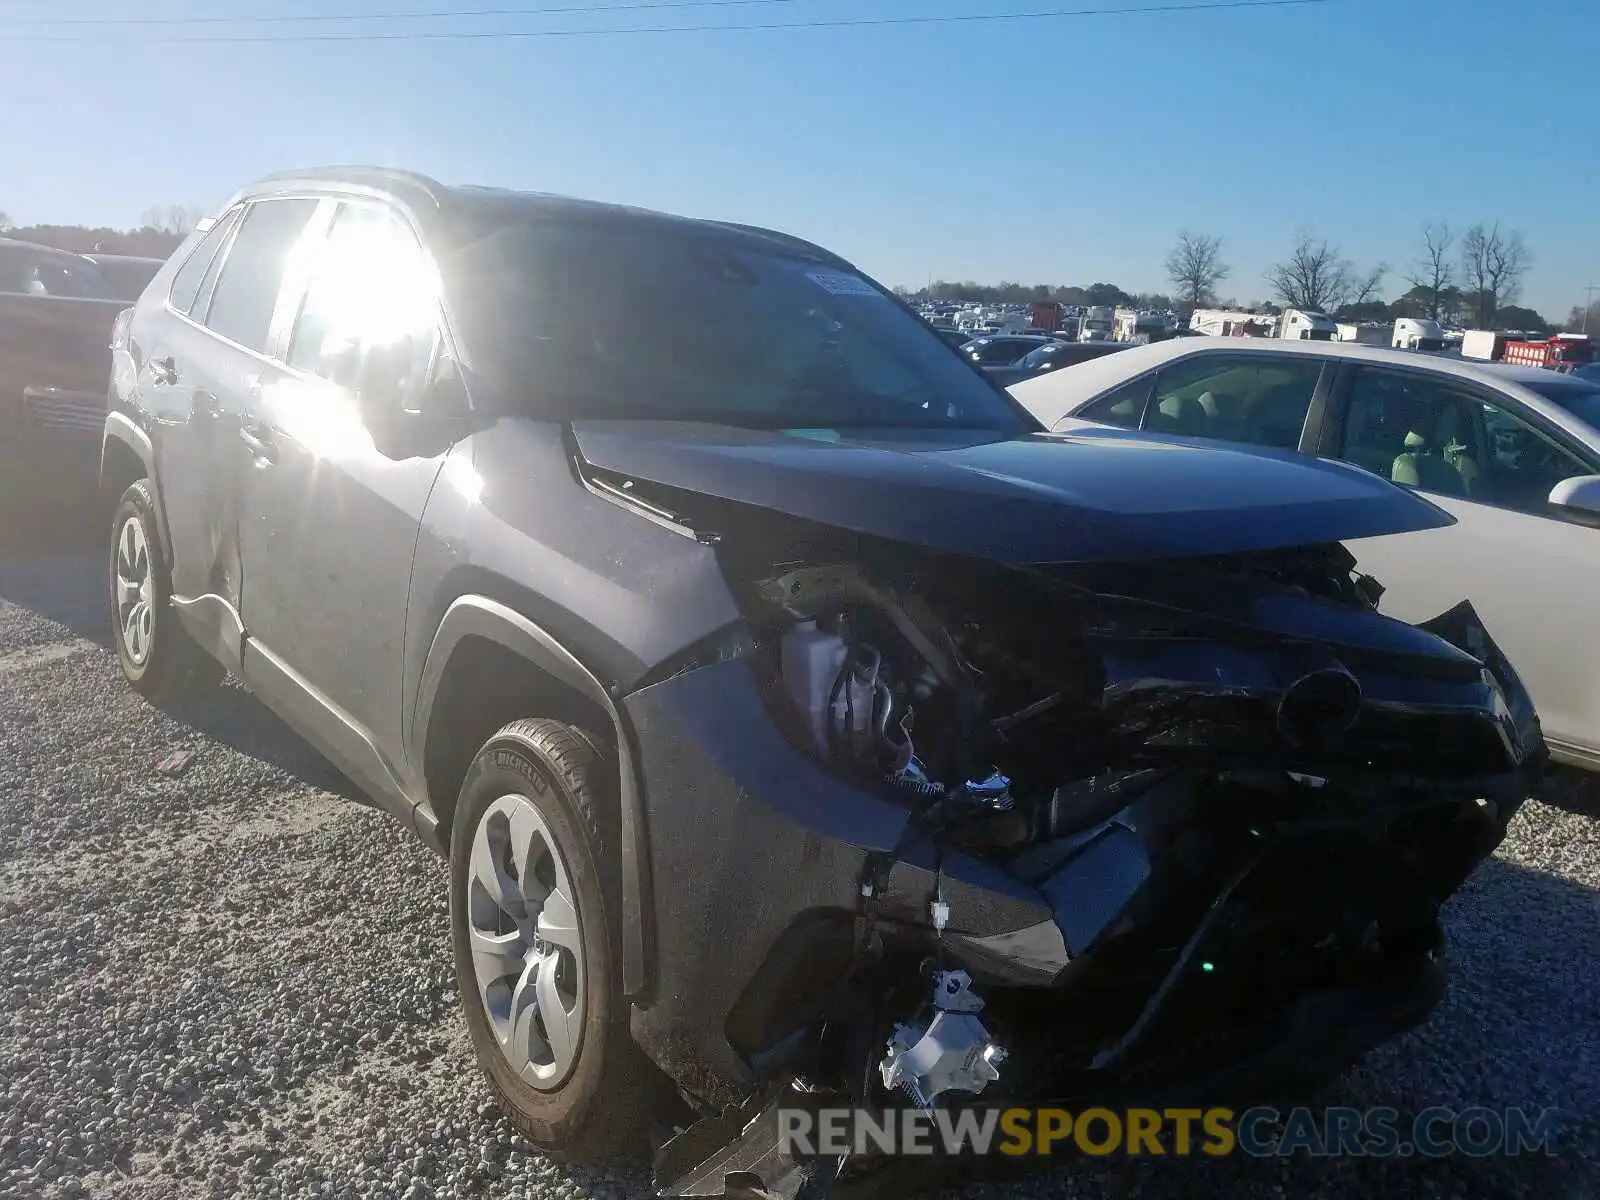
(56, 313)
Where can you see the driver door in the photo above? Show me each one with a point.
(328, 522)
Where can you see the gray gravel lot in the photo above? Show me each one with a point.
(222, 976)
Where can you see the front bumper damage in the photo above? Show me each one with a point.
(1210, 870)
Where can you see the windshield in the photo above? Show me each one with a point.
(1579, 398)
(596, 320)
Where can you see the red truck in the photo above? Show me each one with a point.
(1561, 352)
(56, 313)
(1047, 316)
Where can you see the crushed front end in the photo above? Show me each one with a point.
(1155, 833)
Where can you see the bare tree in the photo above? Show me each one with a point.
(1364, 288)
(1433, 271)
(1492, 265)
(1195, 267)
(1316, 277)
(174, 218)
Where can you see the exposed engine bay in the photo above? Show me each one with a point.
(1212, 806)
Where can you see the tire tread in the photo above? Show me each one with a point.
(583, 766)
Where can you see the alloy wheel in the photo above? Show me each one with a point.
(527, 951)
(135, 591)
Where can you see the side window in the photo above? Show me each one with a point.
(186, 283)
(1255, 399)
(1427, 433)
(247, 290)
(1123, 407)
(371, 304)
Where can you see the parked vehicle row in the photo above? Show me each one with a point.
(56, 312)
(797, 714)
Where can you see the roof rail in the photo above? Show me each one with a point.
(391, 178)
(783, 239)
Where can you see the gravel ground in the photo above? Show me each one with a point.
(223, 976)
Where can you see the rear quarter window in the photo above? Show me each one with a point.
(1123, 406)
(186, 283)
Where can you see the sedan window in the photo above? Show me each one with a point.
(1438, 437)
(1577, 393)
(1123, 406)
(1237, 398)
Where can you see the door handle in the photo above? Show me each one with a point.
(164, 371)
(258, 440)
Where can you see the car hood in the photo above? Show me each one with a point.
(1088, 495)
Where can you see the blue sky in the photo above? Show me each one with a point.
(1066, 150)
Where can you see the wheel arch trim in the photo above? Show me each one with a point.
(120, 427)
(125, 431)
(478, 616)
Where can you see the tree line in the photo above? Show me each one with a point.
(1471, 278)
(1008, 292)
(160, 231)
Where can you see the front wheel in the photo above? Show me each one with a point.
(157, 655)
(535, 930)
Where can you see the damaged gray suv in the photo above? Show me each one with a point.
(797, 717)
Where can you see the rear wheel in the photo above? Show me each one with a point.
(157, 655)
(535, 931)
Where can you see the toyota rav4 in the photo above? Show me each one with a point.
(795, 714)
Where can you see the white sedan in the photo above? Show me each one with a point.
(1512, 452)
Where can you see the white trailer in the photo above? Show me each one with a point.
(1484, 344)
(1414, 334)
(1222, 322)
(1097, 324)
(1363, 333)
(1298, 325)
(1133, 325)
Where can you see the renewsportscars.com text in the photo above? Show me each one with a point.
(1180, 1132)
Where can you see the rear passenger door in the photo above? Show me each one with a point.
(200, 373)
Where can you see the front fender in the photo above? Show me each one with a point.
(477, 616)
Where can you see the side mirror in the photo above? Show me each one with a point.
(1577, 499)
(379, 377)
(445, 398)
(406, 421)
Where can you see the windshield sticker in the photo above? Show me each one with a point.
(837, 283)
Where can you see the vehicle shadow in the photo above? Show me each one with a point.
(1571, 790)
(1517, 1029)
(70, 590)
(30, 530)
(233, 717)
